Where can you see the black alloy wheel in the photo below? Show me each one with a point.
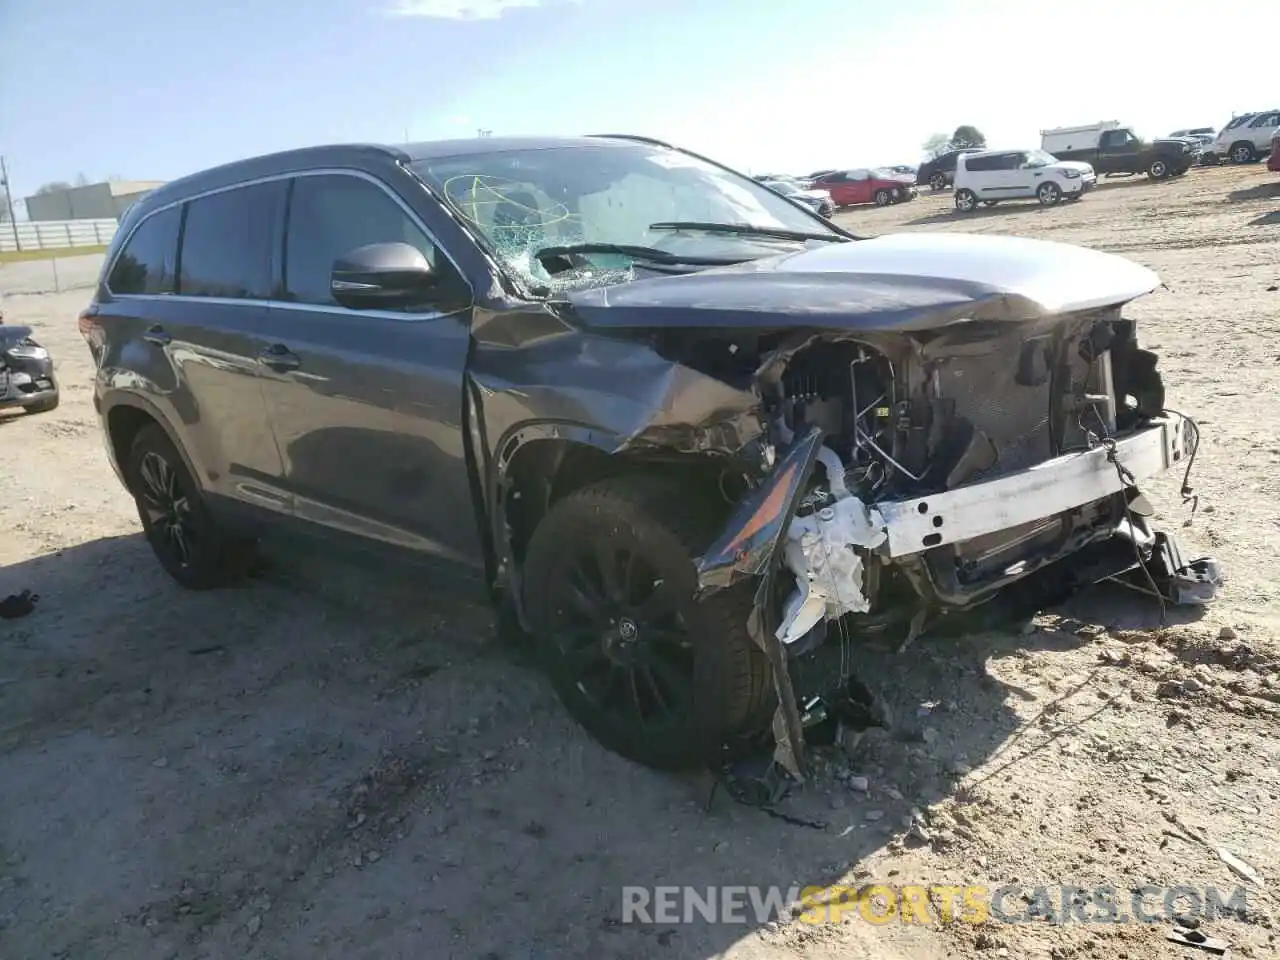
(175, 518)
(648, 670)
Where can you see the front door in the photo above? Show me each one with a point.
(367, 404)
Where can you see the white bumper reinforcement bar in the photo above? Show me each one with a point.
(1038, 492)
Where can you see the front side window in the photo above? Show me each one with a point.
(1266, 120)
(522, 201)
(148, 262)
(329, 216)
(1035, 159)
(227, 240)
(1237, 121)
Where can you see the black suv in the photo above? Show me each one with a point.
(940, 172)
(674, 424)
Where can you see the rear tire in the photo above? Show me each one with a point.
(175, 518)
(938, 181)
(966, 200)
(648, 671)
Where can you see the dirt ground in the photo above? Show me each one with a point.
(310, 767)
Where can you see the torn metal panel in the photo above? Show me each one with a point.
(826, 550)
(620, 387)
(750, 539)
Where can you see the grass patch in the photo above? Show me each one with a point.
(21, 256)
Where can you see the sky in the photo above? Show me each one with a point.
(154, 89)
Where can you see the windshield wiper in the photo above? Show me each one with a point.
(745, 229)
(651, 254)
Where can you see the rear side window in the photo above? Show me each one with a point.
(227, 240)
(147, 262)
(332, 214)
(996, 161)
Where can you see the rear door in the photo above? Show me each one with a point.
(191, 288)
(367, 404)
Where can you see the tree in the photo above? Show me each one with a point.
(968, 136)
(53, 186)
(936, 145)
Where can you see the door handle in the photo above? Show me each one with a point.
(279, 358)
(156, 335)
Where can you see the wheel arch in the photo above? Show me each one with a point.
(539, 463)
(124, 416)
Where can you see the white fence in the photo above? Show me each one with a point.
(55, 234)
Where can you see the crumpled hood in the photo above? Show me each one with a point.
(903, 281)
(11, 335)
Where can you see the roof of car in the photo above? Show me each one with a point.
(358, 155)
(987, 153)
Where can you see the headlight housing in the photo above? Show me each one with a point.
(28, 351)
(1071, 174)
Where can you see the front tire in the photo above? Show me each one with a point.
(1049, 194)
(966, 200)
(1158, 169)
(175, 519)
(649, 672)
(883, 198)
(1243, 152)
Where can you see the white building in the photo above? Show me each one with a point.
(96, 201)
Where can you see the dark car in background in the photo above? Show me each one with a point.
(26, 371)
(940, 172)
(679, 429)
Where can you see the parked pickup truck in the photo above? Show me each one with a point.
(1112, 149)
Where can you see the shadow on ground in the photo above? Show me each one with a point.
(332, 767)
(1261, 191)
(1266, 220)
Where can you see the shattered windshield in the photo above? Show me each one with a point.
(524, 200)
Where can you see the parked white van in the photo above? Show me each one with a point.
(990, 176)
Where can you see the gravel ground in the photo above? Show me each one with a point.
(312, 766)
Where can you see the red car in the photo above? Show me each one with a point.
(880, 187)
(1273, 161)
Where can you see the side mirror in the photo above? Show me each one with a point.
(382, 276)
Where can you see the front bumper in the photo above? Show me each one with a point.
(23, 383)
(747, 546)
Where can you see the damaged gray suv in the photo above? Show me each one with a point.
(691, 438)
